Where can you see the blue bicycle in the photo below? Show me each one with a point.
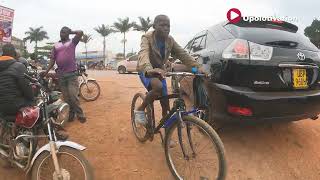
(198, 153)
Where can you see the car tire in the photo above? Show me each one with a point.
(122, 70)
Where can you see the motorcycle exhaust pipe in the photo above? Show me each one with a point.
(4, 153)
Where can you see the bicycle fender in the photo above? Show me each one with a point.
(89, 79)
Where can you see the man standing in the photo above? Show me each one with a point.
(63, 54)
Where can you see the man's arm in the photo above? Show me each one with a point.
(77, 37)
(23, 83)
(143, 57)
(178, 52)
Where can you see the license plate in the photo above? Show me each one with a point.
(300, 78)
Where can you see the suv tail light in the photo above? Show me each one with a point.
(239, 49)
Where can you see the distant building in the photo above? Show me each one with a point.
(18, 44)
(94, 56)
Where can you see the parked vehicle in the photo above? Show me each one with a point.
(89, 87)
(19, 137)
(128, 66)
(262, 71)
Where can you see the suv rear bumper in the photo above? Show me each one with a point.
(265, 106)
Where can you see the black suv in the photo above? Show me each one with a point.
(262, 71)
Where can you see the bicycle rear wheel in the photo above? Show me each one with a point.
(203, 156)
(141, 132)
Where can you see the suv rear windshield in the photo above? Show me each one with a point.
(271, 35)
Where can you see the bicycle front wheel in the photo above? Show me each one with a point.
(194, 150)
(71, 161)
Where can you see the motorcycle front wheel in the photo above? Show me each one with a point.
(90, 91)
(72, 163)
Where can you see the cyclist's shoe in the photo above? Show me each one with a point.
(140, 118)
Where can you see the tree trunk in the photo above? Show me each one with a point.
(104, 51)
(124, 45)
(36, 51)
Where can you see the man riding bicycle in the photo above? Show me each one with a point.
(156, 47)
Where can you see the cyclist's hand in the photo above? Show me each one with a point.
(201, 70)
(157, 72)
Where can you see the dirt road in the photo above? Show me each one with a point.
(278, 151)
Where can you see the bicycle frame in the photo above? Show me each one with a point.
(175, 114)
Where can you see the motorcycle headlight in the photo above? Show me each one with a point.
(63, 113)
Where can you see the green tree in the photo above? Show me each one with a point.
(25, 51)
(104, 31)
(119, 56)
(36, 35)
(313, 32)
(131, 54)
(85, 39)
(123, 26)
(144, 26)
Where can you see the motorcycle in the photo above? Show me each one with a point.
(89, 89)
(19, 137)
(60, 108)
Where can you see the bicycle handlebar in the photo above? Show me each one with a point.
(168, 74)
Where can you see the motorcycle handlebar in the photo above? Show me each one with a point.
(30, 78)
